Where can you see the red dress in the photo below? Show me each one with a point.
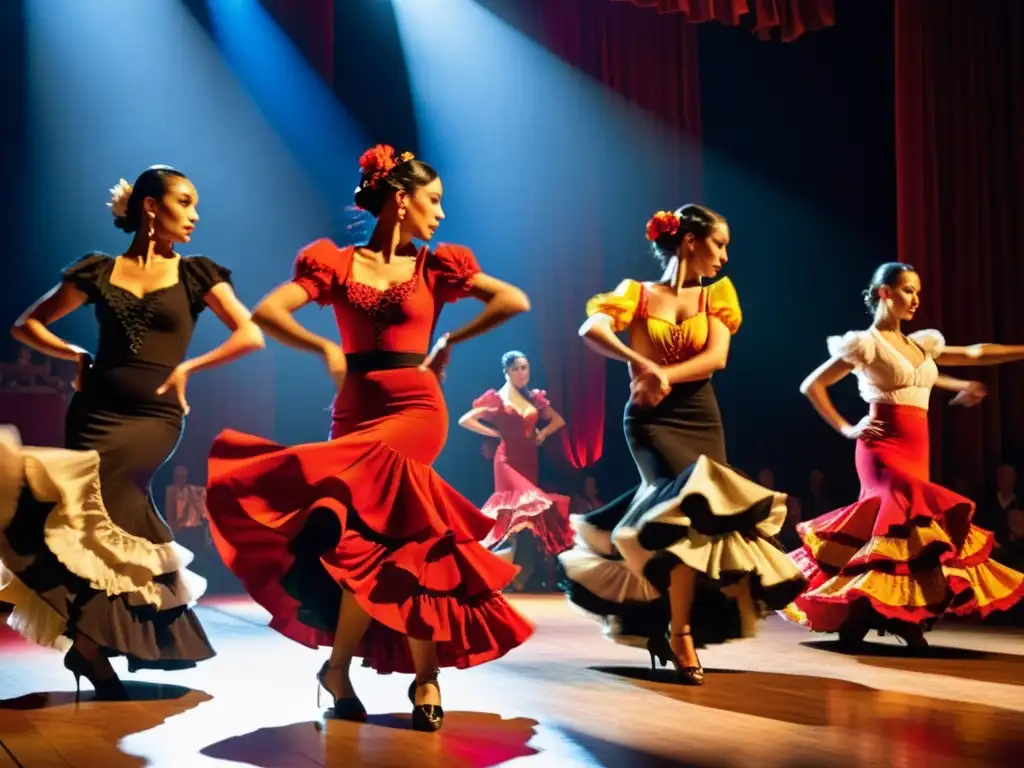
(517, 504)
(365, 510)
(908, 549)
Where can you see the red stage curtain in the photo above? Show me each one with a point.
(652, 62)
(791, 17)
(310, 24)
(960, 183)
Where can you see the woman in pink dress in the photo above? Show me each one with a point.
(518, 505)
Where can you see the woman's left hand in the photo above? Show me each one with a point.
(539, 437)
(971, 396)
(437, 359)
(178, 381)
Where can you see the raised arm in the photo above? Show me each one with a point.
(32, 329)
(472, 420)
(981, 354)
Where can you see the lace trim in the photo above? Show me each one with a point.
(383, 307)
(134, 315)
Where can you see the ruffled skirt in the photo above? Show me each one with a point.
(365, 513)
(517, 505)
(70, 569)
(697, 512)
(906, 552)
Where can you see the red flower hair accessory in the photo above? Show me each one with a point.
(377, 162)
(662, 223)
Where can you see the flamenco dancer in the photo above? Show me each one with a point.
(907, 551)
(517, 505)
(356, 543)
(691, 549)
(88, 561)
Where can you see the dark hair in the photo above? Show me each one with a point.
(152, 182)
(887, 274)
(694, 219)
(405, 177)
(510, 357)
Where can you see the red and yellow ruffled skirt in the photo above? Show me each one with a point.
(907, 551)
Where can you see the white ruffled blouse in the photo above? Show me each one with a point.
(884, 374)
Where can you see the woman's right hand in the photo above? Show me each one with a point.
(867, 428)
(337, 365)
(649, 388)
(84, 364)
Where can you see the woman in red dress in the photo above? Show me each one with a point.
(356, 542)
(907, 552)
(517, 504)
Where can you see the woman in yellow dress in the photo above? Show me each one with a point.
(688, 557)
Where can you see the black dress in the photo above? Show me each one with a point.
(690, 507)
(86, 551)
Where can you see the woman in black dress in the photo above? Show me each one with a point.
(690, 550)
(87, 560)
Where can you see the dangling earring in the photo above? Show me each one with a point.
(152, 226)
(401, 212)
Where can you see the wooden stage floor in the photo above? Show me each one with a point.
(566, 698)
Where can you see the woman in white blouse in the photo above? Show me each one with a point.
(906, 552)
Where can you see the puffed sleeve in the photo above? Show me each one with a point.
(316, 270)
(451, 269)
(201, 274)
(724, 304)
(87, 273)
(489, 399)
(539, 398)
(620, 305)
(930, 340)
(854, 347)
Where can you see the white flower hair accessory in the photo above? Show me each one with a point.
(119, 195)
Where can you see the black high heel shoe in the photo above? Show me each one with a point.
(426, 717)
(107, 689)
(344, 709)
(661, 650)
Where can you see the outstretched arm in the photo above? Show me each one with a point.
(969, 393)
(471, 420)
(31, 328)
(245, 335)
(981, 354)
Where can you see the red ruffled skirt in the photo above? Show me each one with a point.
(517, 504)
(365, 512)
(907, 551)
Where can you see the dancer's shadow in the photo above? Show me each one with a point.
(612, 755)
(137, 692)
(468, 739)
(83, 726)
(966, 663)
(664, 675)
